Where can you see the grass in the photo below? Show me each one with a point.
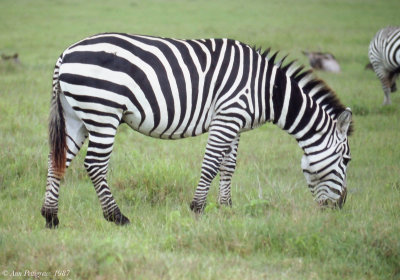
(274, 229)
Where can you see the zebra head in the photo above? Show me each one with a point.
(326, 169)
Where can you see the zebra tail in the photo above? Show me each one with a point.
(57, 129)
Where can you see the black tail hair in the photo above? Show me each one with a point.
(57, 130)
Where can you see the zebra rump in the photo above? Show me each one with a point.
(384, 55)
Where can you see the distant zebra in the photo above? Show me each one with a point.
(384, 54)
(171, 89)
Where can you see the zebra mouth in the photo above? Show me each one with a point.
(337, 204)
(342, 199)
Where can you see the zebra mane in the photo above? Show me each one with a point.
(311, 85)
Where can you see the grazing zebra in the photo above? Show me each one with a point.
(171, 89)
(384, 54)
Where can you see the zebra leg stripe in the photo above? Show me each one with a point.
(385, 82)
(76, 134)
(50, 205)
(226, 171)
(217, 146)
(96, 164)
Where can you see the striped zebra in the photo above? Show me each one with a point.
(172, 89)
(384, 55)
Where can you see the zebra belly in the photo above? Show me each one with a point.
(134, 121)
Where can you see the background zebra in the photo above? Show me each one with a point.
(170, 89)
(384, 54)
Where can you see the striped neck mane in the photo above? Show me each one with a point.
(318, 93)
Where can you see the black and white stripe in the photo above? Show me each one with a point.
(171, 89)
(384, 55)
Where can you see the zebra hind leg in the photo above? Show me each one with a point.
(76, 135)
(393, 88)
(386, 97)
(386, 81)
(96, 164)
(392, 78)
(386, 86)
(226, 171)
(50, 205)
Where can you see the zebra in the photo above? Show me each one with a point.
(384, 55)
(173, 88)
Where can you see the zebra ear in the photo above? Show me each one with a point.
(344, 121)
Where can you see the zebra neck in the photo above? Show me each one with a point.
(296, 112)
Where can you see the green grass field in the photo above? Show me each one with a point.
(282, 235)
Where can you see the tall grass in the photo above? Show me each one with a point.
(274, 229)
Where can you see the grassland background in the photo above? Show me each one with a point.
(283, 235)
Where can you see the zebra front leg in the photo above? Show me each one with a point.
(96, 164)
(218, 144)
(226, 171)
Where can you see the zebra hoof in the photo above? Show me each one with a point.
(118, 218)
(196, 207)
(227, 202)
(51, 218)
(122, 220)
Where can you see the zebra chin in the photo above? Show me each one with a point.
(336, 202)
